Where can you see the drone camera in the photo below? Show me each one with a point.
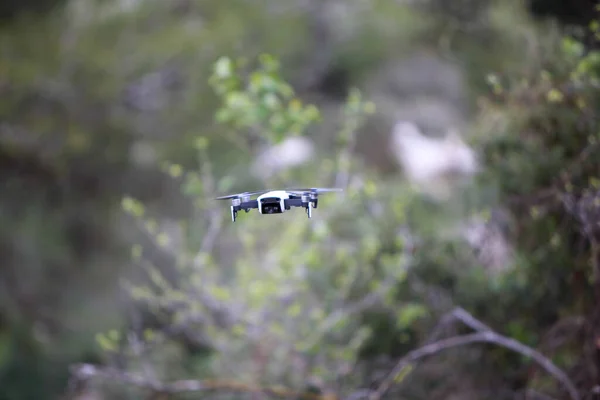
(271, 205)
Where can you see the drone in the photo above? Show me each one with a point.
(276, 201)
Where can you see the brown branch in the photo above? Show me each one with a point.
(85, 372)
(483, 335)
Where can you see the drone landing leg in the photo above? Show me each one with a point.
(233, 213)
(309, 209)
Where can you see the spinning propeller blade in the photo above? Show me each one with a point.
(315, 190)
(233, 196)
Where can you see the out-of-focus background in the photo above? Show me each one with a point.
(465, 135)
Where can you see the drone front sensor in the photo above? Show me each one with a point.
(276, 201)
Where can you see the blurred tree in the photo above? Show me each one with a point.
(11, 9)
(99, 94)
(579, 12)
(543, 161)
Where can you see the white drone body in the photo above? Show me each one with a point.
(276, 201)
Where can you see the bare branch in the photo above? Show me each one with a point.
(469, 320)
(484, 335)
(85, 372)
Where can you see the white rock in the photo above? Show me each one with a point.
(291, 152)
(492, 248)
(430, 163)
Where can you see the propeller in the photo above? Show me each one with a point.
(234, 196)
(313, 193)
(315, 190)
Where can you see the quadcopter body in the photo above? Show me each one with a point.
(276, 201)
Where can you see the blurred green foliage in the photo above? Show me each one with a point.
(261, 103)
(539, 135)
(291, 293)
(287, 300)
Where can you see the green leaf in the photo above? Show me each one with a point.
(175, 170)
(572, 48)
(554, 96)
(410, 313)
(295, 309)
(223, 67)
(132, 206)
(220, 293)
(201, 143)
(403, 373)
(271, 101)
(136, 252)
(237, 100)
(269, 63)
(223, 115)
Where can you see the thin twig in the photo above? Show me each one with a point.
(484, 335)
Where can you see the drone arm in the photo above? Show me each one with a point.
(294, 203)
(248, 205)
(308, 205)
